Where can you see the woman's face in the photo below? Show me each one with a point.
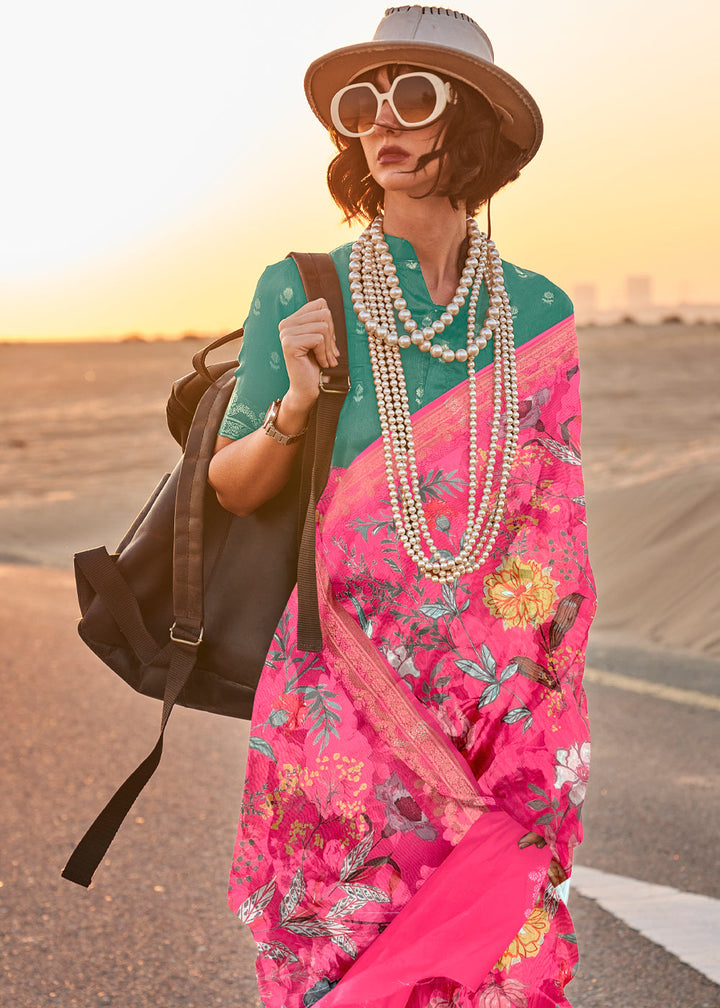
(392, 151)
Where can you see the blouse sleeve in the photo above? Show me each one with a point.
(261, 375)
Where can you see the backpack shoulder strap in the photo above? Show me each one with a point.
(320, 279)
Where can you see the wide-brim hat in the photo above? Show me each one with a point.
(435, 39)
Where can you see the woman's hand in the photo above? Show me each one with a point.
(247, 472)
(308, 342)
(556, 873)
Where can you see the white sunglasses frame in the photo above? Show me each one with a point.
(444, 96)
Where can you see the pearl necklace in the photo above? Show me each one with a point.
(376, 296)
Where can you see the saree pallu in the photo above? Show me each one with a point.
(391, 777)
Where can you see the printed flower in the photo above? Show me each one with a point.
(572, 767)
(402, 812)
(504, 994)
(526, 942)
(529, 409)
(520, 592)
(402, 660)
(290, 711)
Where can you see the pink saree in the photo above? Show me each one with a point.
(390, 778)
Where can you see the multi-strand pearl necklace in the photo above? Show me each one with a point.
(376, 296)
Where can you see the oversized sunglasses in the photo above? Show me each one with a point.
(416, 99)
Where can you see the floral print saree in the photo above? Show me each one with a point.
(391, 777)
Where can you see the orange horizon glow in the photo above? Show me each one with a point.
(164, 155)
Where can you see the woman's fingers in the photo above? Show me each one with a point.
(310, 330)
(556, 873)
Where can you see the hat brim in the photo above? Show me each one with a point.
(521, 119)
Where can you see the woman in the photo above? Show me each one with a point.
(413, 792)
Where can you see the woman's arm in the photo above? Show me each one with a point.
(247, 472)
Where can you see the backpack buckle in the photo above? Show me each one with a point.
(186, 640)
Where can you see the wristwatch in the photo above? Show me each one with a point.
(271, 430)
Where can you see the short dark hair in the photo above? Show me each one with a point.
(476, 158)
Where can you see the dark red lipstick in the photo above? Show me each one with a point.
(391, 154)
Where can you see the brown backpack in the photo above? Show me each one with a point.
(186, 608)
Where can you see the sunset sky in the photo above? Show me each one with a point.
(157, 155)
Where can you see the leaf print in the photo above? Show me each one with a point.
(371, 894)
(489, 694)
(472, 668)
(277, 951)
(442, 524)
(518, 714)
(565, 616)
(356, 856)
(436, 610)
(358, 393)
(549, 297)
(449, 597)
(487, 659)
(275, 360)
(362, 618)
(560, 451)
(436, 481)
(509, 671)
(293, 896)
(286, 296)
(323, 713)
(261, 746)
(531, 670)
(256, 903)
(346, 906)
(346, 944)
(315, 928)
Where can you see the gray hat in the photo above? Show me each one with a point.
(435, 39)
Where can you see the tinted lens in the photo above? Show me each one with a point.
(414, 98)
(357, 109)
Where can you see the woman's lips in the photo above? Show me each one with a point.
(392, 155)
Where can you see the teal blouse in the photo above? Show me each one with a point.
(536, 305)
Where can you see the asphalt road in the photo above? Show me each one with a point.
(153, 931)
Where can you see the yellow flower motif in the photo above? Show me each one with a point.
(527, 941)
(520, 592)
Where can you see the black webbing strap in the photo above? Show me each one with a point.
(101, 573)
(88, 854)
(319, 279)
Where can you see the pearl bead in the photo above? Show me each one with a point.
(438, 326)
(404, 315)
(428, 332)
(436, 350)
(425, 346)
(417, 337)
(404, 341)
(448, 355)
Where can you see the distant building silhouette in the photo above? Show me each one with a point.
(639, 293)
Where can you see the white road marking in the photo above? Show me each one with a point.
(658, 690)
(685, 924)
